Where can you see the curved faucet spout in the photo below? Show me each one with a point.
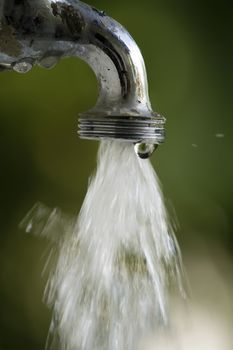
(44, 31)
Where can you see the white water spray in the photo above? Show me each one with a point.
(109, 286)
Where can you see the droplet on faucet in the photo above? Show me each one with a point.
(23, 66)
(49, 62)
(144, 150)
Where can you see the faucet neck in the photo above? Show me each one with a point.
(43, 31)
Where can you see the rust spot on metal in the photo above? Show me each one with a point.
(55, 9)
(8, 43)
(26, 16)
(70, 17)
(139, 86)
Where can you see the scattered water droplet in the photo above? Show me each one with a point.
(29, 227)
(194, 145)
(220, 135)
(22, 66)
(145, 150)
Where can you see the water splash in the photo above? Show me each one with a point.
(109, 286)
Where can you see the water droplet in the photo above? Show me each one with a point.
(49, 62)
(145, 150)
(29, 227)
(220, 135)
(22, 66)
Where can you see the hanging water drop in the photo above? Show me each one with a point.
(145, 150)
(23, 66)
(49, 61)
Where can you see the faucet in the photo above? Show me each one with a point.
(41, 32)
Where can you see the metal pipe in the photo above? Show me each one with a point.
(44, 31)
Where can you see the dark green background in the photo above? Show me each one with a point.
(187, 46)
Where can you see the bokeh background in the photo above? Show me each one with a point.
(187, 46)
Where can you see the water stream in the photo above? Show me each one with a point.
(112, 266)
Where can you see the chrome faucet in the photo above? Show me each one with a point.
(44, 31)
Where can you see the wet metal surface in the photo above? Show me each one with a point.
(44, 31)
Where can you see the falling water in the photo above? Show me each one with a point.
(113, 265)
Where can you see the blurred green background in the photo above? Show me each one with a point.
(187, 46)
